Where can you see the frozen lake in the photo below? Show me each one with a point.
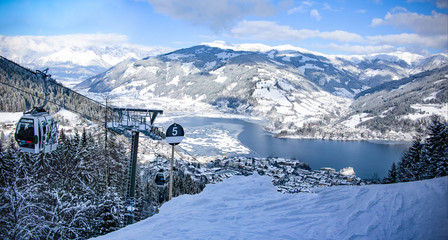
(217, 136)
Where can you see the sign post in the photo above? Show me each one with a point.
(174, 135)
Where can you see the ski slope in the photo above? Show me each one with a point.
(251, 208)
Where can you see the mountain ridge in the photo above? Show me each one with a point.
(300, 94)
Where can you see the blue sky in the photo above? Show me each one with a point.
(331, 27)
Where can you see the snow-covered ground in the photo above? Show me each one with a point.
(251, 208)
(8, 121)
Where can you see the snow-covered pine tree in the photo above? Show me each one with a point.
(410, 164)
(392, 176)
(436, 149)
(108, 213)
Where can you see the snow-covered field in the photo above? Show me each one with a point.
(8, 120)
(251, 208)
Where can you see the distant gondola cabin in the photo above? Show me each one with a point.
(162, 179)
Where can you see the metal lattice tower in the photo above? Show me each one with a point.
(131, 122)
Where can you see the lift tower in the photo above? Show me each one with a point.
(131, 122)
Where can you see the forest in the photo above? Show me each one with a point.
(425, 159)
(22, 90)
(77, 191)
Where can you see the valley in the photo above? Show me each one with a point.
(300, 95)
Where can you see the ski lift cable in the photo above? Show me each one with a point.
(188, 153)
(194, 158)
(55, 103)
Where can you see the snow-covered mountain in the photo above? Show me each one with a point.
(73, 58)
(339, 75)
(297, 92)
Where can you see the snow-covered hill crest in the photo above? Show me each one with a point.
(249, 207)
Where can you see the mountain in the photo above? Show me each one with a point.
(73, 58)
(405, 104)
(299, 93)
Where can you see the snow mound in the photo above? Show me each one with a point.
(251, 208)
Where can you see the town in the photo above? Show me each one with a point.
(288, 175)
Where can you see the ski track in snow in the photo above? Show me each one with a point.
(251, 208)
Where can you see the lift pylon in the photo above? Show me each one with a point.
(131, 122)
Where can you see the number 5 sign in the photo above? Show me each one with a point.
(174, 134)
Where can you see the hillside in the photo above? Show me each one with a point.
(21, 90)
(301, 94)
(250, 207)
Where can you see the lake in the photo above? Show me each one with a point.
(367, 158)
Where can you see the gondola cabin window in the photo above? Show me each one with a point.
(25, 133)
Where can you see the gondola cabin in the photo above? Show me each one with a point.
(37, 132)
(162, 179)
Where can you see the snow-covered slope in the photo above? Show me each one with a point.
(251, 208)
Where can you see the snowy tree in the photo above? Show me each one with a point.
(436, 149)
(427, 159)
(392, 176)
(109, 213)
(411, 163)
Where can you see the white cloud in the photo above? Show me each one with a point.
(46, 44)
(361, 49)
(79, 48)
(442, 3)
(434, 24)
(315, 14)
(216, 14)
(437, 41)
(299, 9)
(341, 36)
(266, 30)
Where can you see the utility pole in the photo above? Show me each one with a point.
(171, 173)
(174, 135)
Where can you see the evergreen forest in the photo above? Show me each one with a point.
(424, 159)
(76, 192)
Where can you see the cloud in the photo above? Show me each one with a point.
(299, 9)
(266, 30)
(361, 49)
(45, 44)
(315, 14)
(15, 47)
(341, 36)
(217, 14)
(406, 39)
(434, 24)
(442, 3)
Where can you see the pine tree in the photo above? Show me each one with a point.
(410, 164)
(436, 154)
(392, 176)
(109, 213)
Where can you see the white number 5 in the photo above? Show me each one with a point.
(174, 132)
